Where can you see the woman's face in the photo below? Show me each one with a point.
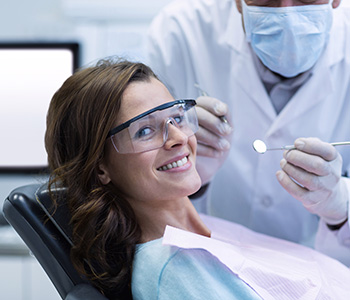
(140, 176)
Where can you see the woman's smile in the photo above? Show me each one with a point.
(176, 163)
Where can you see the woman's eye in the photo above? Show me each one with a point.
(178, 119)
(144, 132)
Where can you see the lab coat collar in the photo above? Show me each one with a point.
(245, 73)
(317, 88)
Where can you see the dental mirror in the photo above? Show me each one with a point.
(260, 147)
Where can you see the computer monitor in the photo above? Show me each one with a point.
(30, 73)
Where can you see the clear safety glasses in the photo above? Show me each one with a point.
(149, 130)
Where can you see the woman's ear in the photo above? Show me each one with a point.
(103, 174)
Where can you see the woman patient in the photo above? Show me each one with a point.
(125, 150)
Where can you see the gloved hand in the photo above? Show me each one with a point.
(213, 136)
(312, 175)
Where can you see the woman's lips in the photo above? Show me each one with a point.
(174, 164)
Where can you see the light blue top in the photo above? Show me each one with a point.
(168, 272)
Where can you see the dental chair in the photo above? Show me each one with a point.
(28, 210)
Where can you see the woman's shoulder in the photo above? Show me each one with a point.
(149, 261)
(168, 272)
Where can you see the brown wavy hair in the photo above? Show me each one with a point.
(105, 230)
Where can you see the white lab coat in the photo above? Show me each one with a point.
(203, 41)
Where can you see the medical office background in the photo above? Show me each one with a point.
(102, 28)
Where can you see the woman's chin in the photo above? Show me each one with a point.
(196, 185)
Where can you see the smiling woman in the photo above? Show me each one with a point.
(123, 147)
(125, 150)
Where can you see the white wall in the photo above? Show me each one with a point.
(104, 27)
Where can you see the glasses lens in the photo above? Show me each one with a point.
(149, 132)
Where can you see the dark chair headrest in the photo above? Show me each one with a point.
(59, 214)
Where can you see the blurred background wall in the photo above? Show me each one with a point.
(103, 27)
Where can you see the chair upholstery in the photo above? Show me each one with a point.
(28, 210)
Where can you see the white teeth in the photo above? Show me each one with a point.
(174, 164)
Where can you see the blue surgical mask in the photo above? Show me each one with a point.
(288, 40)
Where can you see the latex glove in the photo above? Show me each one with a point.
(312, 175)
(213, 136)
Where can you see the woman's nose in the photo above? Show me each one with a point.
(175, 136)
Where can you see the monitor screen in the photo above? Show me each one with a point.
(29, 76)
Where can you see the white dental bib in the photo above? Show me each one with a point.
(274, 268)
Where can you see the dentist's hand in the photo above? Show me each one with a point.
(312, 175)
(213, 136)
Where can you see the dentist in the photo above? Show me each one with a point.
(280, 71)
